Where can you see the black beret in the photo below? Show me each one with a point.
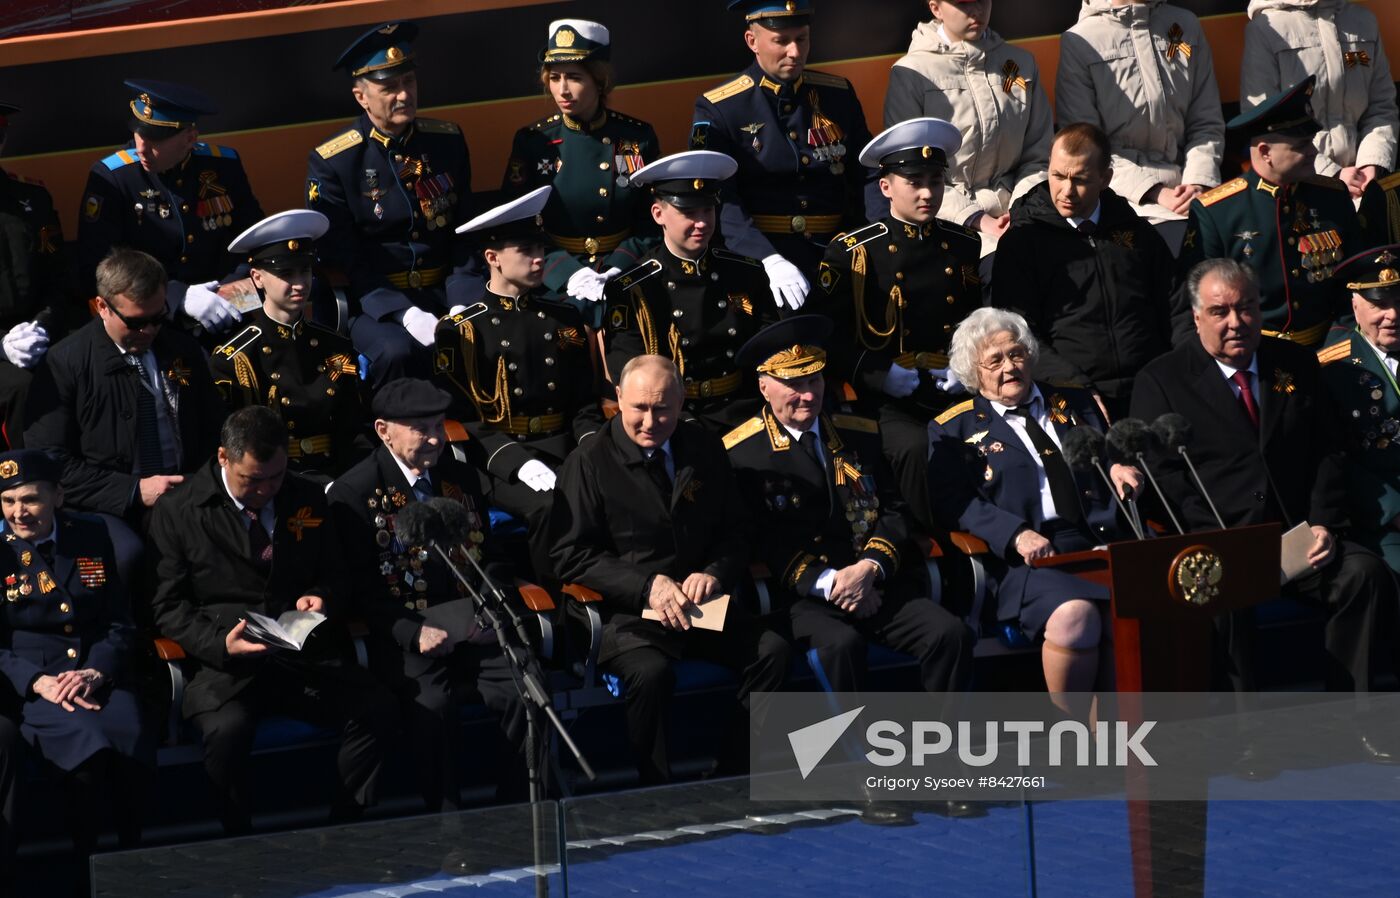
(409, 397)
(22, 466)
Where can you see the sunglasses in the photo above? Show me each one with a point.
(138, 323)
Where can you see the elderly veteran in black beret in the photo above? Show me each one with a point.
(66, 640)
(520, 368)
(282, 359)
(176, 197)
(830, 523)
(394, 186)
(688, 299)
(587, 151)
(648, 514)
(996, 469)
(414, 656)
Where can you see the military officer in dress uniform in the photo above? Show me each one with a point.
(687, 300)
(587, 152)
(177, 198)
(66, 639)
(412, 654)
(37, 300)
(895, 290)
(519, 366)
(284, 360)
(791, 131)
(1287, 223)
(1359, 370)
(394, 186)
(830, 526)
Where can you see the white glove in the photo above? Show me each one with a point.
(455, 311)
(210, 309)
(787, 283)
(901, 382)
(26, 344)
(587, 284)
(946, 379)
(536, 475)
(422, 325)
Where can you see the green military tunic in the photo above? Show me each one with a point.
(1366, 399)
(306, 374)
(593, 208)
(1291, 235)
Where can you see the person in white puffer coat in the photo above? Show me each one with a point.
(1340, 43)
(959, 70)
(1141, 70)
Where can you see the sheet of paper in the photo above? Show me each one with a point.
(289, 631)
(1293, 559)
(707, 616)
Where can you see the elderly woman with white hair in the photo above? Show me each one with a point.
(996, 470)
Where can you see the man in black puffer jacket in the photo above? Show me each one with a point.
(1092, 277)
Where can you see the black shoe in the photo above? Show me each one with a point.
(957, 809)
(1373, 752)
(884, 813)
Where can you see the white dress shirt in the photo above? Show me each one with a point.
(665, 449)
(1229, 373)
(1018, 424)
(413, 479)
(266, 515)
(1093, 216)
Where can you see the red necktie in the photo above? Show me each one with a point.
(1251, 408)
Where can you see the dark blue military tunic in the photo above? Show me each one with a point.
(394, 204)
(70, 615)
(593, 208)
(185, 217)
(796, 144)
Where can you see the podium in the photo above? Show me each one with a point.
(1166, 594)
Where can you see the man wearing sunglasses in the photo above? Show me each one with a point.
(283, 360)
(125, 402)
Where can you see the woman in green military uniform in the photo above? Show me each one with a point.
(586, 151)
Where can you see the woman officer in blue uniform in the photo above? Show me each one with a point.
(65, 640)
(586, 151)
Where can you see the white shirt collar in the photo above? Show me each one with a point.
(1229, 372)
(408, 474)
(263, 513)
(1031, 401)
(1093, 216)
(796, 434)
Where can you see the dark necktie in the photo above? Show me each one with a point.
(259, 545)
(808, 442)
(45, 550)
(1087, 227)
(656, 470)
(424, 488)
(151, 460)
(1062, 487)
(1251, 408)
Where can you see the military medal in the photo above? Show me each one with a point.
(627, 160)
(371, 178)
(824, 137)
(378, 211)
(752, 129)
(11, 591)
(46, 584)
(26, 557)
(25, 587)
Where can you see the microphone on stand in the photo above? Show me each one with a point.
(1082, 448)
(1174, 432)
(1130, 439)
(457, 530)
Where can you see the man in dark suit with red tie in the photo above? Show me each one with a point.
(242, 534)
(1265, 446)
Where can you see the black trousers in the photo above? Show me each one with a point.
(342, 698)
(533, 508)
(1358, 592)
(430, 692)
(14, 387)
(107, 779)
(940, 642)
(906, 446)
(759, 656)
(11, 756)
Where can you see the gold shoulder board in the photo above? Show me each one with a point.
(725, 91)
(822, 79)
(855, 422)
(437, 126)
(1335, 353)
(1229, 188)
(950, 414)
(339, 144)
(743, 432)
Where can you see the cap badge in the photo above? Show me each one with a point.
(699, 184)
(293, 245)
(9, 469)
(564, 38)
(927, 152)
(393, 54)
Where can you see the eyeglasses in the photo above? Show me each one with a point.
(139, 323)
(1017, 356)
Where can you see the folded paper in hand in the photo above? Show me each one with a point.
(706, 616)
(1293, 558)
(287, 632)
